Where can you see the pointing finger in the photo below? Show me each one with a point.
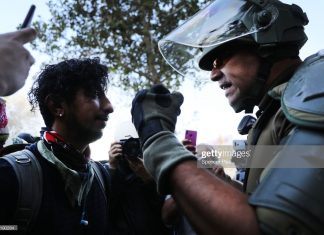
(23, 36)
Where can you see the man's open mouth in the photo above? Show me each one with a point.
(225, 85)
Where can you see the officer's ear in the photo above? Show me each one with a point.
(55, 105)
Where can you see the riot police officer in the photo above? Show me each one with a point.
(252, 49)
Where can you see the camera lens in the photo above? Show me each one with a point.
(131, 147)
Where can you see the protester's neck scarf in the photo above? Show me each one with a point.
(76, 170)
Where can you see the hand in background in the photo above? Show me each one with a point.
(115, 152)
(15, 60)
(189, 146)
(137, 166)
(219, 171)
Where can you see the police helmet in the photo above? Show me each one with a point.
(274, 29)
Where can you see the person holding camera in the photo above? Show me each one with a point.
(126, 155)
(136, 206)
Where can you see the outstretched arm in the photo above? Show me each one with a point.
(211, 205)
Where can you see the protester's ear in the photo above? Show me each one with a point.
(54, 105)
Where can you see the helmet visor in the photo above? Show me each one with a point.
(217, 23)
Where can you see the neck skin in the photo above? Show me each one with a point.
(275, 78)
(280, 67)
(70, 137)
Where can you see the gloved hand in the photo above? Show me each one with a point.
(154, 114)
(155, 110)
(15, 60)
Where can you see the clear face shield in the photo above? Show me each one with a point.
(219, 22)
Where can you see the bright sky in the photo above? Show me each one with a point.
(205, 109)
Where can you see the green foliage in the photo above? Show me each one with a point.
(123, 33)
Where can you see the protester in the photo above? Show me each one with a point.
(15, 60)
(25, 138)
(18, 143)
(4, 130)
(251, 49)
(136, 205)
(72, 100)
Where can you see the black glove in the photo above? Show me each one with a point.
(155, 110)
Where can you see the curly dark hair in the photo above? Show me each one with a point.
(63, 80)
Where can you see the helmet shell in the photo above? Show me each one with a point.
(282, 38)
(275, 28)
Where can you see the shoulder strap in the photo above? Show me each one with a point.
(103, 177)
(30, 183)
(261, 122)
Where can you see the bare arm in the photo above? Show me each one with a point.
(211, 205)
(217, 207)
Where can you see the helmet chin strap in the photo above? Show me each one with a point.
(255, 94)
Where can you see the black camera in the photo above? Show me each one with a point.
(131, 147)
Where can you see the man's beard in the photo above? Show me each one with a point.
(246, 103)
(83, 133)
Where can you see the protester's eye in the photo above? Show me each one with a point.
(99, 93)
(95, 94)
(91, 94)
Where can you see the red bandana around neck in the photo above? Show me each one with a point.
(52, 137)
